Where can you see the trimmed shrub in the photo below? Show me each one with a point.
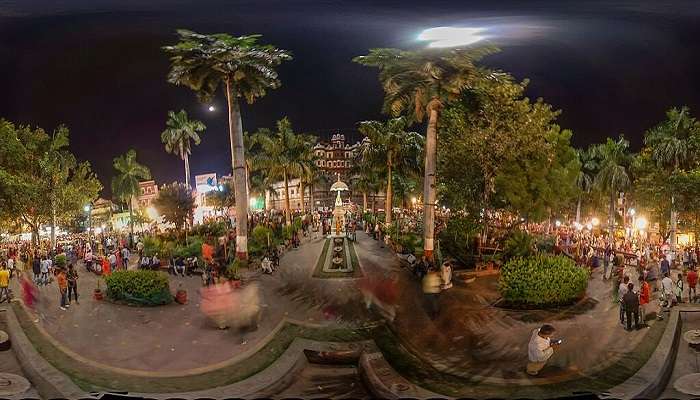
(142, 287)
(151, 246)
(542, 281)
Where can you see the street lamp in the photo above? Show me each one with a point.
(595, 221)
(212, 108)
(87, 209)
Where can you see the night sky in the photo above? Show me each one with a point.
(96, 65)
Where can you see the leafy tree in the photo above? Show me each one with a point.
(41, 182)
(392, 148)
(245, 69)
(543, 181)
(175, 202)
(282, 156)
(365, 177)
(178, 136)
(613, 176)
(418, 84)
(674, 144)
(125, 184)
(584, 179)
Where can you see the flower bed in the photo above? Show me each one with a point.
(542, 281)
(142, 287)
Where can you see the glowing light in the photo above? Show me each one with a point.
(578, 226)
(212, 108)
(152, 212)
(557, 223)
(641, 223)
(589, 226)
(631, 211)
(253, 201)
(448, 36)
(413, 200)
(595, 221)
(221, 188)
(87, 208)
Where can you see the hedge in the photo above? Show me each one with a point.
(141, 287)
(542, 280)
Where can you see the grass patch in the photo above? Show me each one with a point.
(93, 379)
(320, 273)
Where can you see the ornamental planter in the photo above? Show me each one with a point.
(181, 296)
(98, 295)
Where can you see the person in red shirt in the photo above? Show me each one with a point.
(692, 278)
(644, 296)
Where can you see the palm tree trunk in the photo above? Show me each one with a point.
(187, 170)
(429, 182)
(301, 194)
(287, 213)
(131, 222)
(239, 178)
(311, 197)
(389, 192)
(611, 218)
(578, 210)
(674, 224)
(364, 201)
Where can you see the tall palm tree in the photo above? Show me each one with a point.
(245, 69)
(311, 175)
(673, 143)
(365, 179)
(178, 136)
(125, 184)
(418, 84)
(389, 144)
(614, 159)
(584, 179)
(282, 156)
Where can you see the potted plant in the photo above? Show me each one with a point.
(97, 294)
(181, 295)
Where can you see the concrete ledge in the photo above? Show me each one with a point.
(385, 383)
(649, 382)
(273, 379)
(49, 381)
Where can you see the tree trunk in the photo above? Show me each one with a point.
(312, 198)
(287, 211)
(301, 194)
(429, 182)
(611, 218)
(239, 176)
(53, 224)
(578, 210)
(364, 201)
(674, 224)
(131, 222)
(187, 170)
(389, 190)
(374, 200)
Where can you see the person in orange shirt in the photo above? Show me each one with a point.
(644, 297)
(62, 287)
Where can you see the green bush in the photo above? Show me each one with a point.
(193, 249)
(457, 240)
(142, 287)
(518, 244)
(545, 244)
(261, 234)
(151, 246)
(60, 261)
(542, 281)
(215, 229)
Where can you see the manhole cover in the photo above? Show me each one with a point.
(688, 384)
(11, 384)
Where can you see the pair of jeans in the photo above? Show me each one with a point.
(73, 288)
(630, 314)
(691, 294)
(63, 297)
(44, 278)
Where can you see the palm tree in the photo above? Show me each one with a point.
(584, 179)
(417, 84)
(282, 155)
(178, 136)
(365, 179)
(673, 144)
(390, 145)
(311, 175)
(614, 159)
(125, 184)
(245, 69)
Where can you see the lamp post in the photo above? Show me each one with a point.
(87, 209)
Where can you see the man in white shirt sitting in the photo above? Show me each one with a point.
(540, 349)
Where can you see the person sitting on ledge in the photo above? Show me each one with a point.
(540, 349)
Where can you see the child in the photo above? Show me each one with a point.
(679, 288)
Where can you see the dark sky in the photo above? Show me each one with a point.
(96, 65)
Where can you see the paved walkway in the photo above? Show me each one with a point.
(687, 359)
(472, 338)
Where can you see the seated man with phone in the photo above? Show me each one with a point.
(540, 348)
